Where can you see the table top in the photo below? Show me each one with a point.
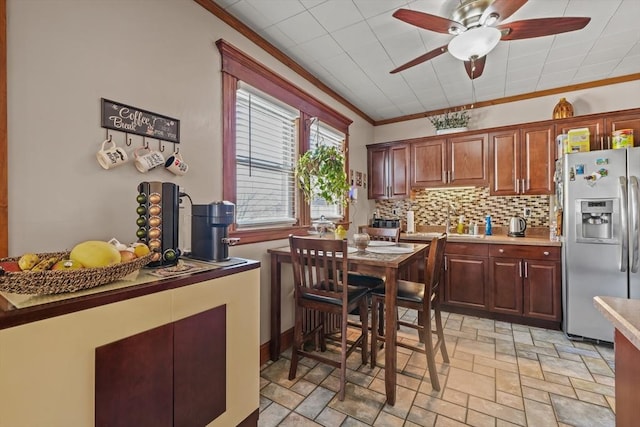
(624, 313)
(371, 258)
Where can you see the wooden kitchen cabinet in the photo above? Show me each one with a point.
(602, 126)
(525, 281)
(458, 160)
(466, 273)
(388, 167)
(172, 375)
(522, 160)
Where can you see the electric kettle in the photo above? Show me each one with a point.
(517, 225)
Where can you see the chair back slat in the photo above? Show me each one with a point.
(387, 234)
(317, 267)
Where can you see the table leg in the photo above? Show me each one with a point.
(276, 275)
(390, 334)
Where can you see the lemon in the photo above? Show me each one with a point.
(140, 249)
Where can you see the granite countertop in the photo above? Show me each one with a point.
(624, 314)
(536, 237)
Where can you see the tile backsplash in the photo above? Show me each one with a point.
(430, 207)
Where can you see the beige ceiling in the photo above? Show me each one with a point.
(351, 45)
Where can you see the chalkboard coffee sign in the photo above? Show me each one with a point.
(125, 118)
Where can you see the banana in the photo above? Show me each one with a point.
(45, 264)
(28, 261)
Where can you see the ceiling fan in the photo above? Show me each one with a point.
(474, 26)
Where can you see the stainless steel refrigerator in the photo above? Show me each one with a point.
(600, 236)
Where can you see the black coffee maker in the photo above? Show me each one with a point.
(210, 239)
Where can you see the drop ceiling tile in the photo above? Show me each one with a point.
(570, 50)
(557, 78)
(301, 28)
(354, 36)
(589, 72)
(321, 48)
(567, 63)
(629, 65)
(369, 8)
(274, 11)
(276, 37)
(336, 14)
(311, 3)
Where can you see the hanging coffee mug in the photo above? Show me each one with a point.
(176, 164)
(111, 157)
(146, 162)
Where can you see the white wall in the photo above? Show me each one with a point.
(621, 96)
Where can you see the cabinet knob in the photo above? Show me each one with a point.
(546, 253)
(501, 250)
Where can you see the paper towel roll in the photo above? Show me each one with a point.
(410, 224)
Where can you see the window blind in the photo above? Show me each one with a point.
(265, 159)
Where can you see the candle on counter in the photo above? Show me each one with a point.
(410, 222)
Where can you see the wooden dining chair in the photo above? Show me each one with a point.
(423, 297)
(320, 285)
(385, 234)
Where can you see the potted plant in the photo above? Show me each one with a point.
(321, 173)
(449, 122)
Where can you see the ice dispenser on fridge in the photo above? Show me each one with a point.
(594, 220)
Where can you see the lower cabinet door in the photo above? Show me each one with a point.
(465, 281)
(134, 380)
(505, 285)
(542, 297)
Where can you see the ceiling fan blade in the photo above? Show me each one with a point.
(422, 58)
(428, 21)
(503, 8)
(475, 68)
(540, 27)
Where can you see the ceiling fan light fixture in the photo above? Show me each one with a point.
(474, 42)
(491, 19)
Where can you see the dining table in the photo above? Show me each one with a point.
(388, 262)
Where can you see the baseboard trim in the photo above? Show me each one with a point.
(286, 338)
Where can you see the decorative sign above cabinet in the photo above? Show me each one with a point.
(125, 118)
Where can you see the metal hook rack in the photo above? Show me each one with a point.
(145, 144)
(127, 139)
(160, 146)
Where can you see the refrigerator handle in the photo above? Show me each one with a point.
(624, 217)
(633, 211)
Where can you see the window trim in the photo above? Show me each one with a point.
(237, 66)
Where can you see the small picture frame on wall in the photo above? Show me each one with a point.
(358, 179)
(364, 180)
(350, 176)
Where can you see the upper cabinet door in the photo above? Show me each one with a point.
(377, 167)
(504, 160)
(538, 159)
(399, 171)
(624, 121)
(388, 167)
(429, 163)
(468, 160)
(595, 126)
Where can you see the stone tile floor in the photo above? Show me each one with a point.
(500, 374)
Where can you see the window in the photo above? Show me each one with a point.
(267, 123)
(265, 158)
(321, 134)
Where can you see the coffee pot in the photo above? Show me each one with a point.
(517, 225)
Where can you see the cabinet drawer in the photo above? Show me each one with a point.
(477, 249)
(550, 253)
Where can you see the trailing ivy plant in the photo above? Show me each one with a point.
(321, 173)
(448, 120)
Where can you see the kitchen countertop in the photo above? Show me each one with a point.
(496, 239)
(624, 314)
